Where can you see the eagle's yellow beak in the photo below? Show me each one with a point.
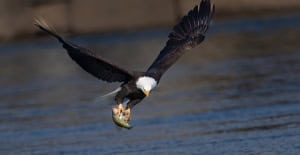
(147, 93)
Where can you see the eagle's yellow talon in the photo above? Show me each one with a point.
(121, 116)
(127, 115)
(120, 108)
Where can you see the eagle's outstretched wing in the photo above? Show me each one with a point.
(88, 60)
(187, 34)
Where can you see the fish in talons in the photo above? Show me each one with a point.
(121, 116)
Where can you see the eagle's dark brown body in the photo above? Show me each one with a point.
(131, 92)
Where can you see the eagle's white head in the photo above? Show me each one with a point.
(146, 84)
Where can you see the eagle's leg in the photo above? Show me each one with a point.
(127, 111)
(120, 109)
(127, 114)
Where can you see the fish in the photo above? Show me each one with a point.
(120, 117)
(121, 122)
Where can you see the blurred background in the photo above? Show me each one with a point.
(105, 16)
(236, 93)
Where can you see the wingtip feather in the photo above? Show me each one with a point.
(192, 28)
(42, 24)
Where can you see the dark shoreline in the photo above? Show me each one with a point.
(99, 17)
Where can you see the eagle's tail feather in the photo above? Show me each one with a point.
(111, 93)
(101, 98)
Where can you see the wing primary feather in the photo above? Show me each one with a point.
(42, 24)
(88, 60)
(188, 33)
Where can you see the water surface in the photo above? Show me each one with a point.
(237, 93)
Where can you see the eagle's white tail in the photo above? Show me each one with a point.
(101, 98)
(111, 93)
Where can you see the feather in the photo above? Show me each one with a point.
(89, 60)
(112, 93)
(188, 33)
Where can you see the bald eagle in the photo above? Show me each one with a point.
(188, 33)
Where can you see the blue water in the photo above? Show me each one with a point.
(237, 93)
